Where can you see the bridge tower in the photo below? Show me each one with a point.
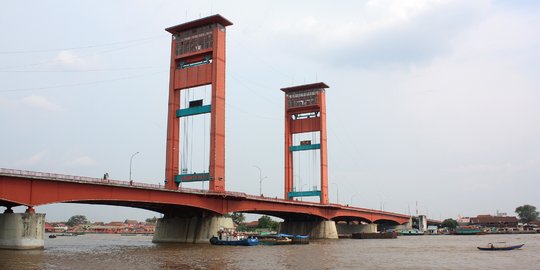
(305, 111)
(197, 59)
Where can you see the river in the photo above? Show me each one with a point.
(94, 251)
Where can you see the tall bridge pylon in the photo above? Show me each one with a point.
(305, 111)
(197, 59)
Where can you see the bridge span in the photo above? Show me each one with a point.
(32, 189)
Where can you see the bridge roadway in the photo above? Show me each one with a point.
(33, 189)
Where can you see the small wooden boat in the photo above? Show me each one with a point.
(492, 247)
(283, 239)
(275, 240)
(300, 240)
(66, 234)
(250, 241)
(410, 232)
(381, 235)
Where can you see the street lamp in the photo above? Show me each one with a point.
(130, 163)
(337, 192)
(353, 197)
(260, 179)
(302, 189)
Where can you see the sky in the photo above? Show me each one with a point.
(433, 106)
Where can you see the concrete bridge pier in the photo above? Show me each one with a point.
(22, 230)
(316, 229)
(350, 228)
(195, 229)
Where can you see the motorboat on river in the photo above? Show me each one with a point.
(249, 241)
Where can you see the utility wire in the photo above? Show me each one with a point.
(78, 84)
(80, 47)
(76, 71)
(53, 60)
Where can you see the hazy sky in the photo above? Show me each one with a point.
(435, 102)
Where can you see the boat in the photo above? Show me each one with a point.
(66, 234)
(300, 240)
(411, 232)
(270, 241)
(379, 235)
(275, 239)
(283, 239)
(250, 241)
(468, 230)
(491, 247)
(52, 236)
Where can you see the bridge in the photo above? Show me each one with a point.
(192, 215)
(33, 189)
(182, 208)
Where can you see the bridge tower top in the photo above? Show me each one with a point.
(197, 59)
(305, 112)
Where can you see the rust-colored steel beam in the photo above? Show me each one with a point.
(38, 190)
(305, 111)
(198, 59)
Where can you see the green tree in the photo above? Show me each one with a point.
(151, 220)
(265, 222)
(77, 220)
(449, 223)
(527, 213)
(238, 218)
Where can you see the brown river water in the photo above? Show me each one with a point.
(406, 252)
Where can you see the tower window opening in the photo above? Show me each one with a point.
(302, 98)
(194, 40)
(196, 103)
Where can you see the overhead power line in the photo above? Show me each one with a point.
(134, 43)
(81, 70)
(78, 84)
(80, 47)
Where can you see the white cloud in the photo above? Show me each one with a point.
(82, 161)
(71, 59)
(36, 158)
(495, 168)
(7, 103)
(41, 102)
(381, 33)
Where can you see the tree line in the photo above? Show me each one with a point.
(526, 214)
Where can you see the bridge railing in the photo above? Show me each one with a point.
(101, 181)
(56, 176)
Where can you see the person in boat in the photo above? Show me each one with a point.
(491, 246)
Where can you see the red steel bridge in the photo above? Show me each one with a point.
(32, 189)
(198, 60)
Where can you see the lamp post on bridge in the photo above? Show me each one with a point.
(130, 163)
(302, 189)
(337, 192)
(353, 197)
(260, 179)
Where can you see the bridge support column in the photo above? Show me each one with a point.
(323, 229)
(345, 229)
(22, 231)
(197, 229)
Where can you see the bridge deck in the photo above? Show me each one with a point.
(234, 201)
